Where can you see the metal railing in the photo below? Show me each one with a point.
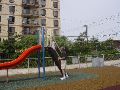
(71, 60)
(30, 66)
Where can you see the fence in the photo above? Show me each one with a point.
(30, 66)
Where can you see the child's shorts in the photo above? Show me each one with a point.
(63, 64)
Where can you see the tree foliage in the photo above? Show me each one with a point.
(79, 46)
(25, 42)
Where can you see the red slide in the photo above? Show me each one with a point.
(20, 59)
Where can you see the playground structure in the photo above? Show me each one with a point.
(20, 59)
(26, 53)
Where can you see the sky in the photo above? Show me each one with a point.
(101, 16)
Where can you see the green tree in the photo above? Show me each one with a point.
(81, 45)
(63, 41)
(1, 46)
(25, 42)
(107, 47)
(8, 47)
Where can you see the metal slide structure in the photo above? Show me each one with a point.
(21, 58)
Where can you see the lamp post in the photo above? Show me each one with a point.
(86, 32)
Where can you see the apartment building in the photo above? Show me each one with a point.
(26, 17)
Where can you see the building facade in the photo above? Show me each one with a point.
(26, 17)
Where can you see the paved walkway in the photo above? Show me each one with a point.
(54, 68)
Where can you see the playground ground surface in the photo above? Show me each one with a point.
(80, 79)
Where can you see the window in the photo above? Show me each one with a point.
(27, 1)
(55, 4)
(24, 21)
(35, 21)
(11, 19)
(35, 12)
(0, 7)
(0, 18)
(0, 0)
(0, 29)
(43, 12)
(43, 3)
(12, 9)
(55, 31)
(12, 30)
(55, 23)
(26, 31)
(43, 22)
(11, 1)
(26, 10)
(55, 13)
(24, 1)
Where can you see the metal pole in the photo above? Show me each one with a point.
(79, 61)
(39, 42)
(86, 35)
(39, 37)
(28, 65)
(43, 53)
(7, 76)
(38, 63)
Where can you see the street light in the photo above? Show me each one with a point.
(86, 32)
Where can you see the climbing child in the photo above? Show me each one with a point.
(63, 63)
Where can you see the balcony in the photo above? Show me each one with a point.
(27, 12)
(36, 3)
(35, 13)
(30, 23)
(11, 22)
(28, 3)
(28, 31)
(11, 2)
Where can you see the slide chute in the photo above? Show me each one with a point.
(20, 59)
